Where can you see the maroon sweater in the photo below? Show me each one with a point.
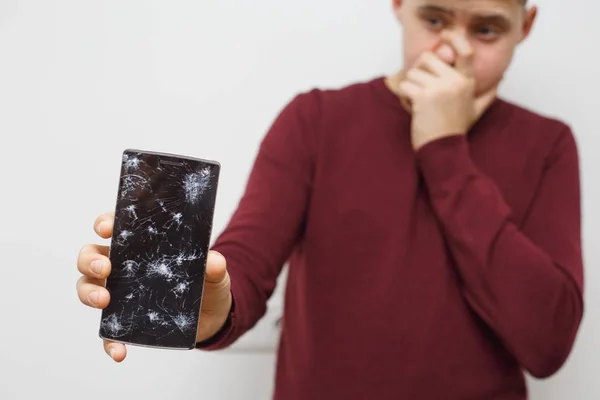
(437, 275)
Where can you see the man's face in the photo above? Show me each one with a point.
(493, 27)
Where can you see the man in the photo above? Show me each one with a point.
(432, 229)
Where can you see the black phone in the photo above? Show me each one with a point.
(158, 250)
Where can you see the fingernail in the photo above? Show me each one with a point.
(101, 226)
(94, 297)
(111, 352)
(96, 266)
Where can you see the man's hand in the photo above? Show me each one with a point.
(442, 97)
(94, 265)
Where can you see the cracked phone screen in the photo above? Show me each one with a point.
(163, 223)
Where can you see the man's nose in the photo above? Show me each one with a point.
(446, 53)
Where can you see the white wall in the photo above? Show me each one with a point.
(81, 80)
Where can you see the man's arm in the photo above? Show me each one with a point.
(525, 283)
(268, 220)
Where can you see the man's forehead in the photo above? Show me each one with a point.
(504, 8)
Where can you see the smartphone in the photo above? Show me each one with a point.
(163, 223)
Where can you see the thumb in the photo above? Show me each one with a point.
(216, 267)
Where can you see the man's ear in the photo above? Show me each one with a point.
(396, 5)
(530, 15)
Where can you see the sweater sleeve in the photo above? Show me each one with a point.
(525, 282)
(269, 217)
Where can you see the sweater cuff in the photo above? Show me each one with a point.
(215, 341)
(444, 160)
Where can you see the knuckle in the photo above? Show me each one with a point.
(97, 221)
(402, 88)
(458, 84)
(426, 55)
(106, 217)
(79, 286)
(84, 249)
(445, 91)
(87, 249)
(413, 74)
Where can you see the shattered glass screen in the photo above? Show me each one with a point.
(163, 223)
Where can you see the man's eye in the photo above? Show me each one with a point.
(487, 32)
(435, 23)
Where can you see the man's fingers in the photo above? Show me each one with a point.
(117, 351)
(92, 292)
(216, 267)
(93, 261)
(408, 89)
(420, 77)
(103, 225)
(464, 51)
(431, 63)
